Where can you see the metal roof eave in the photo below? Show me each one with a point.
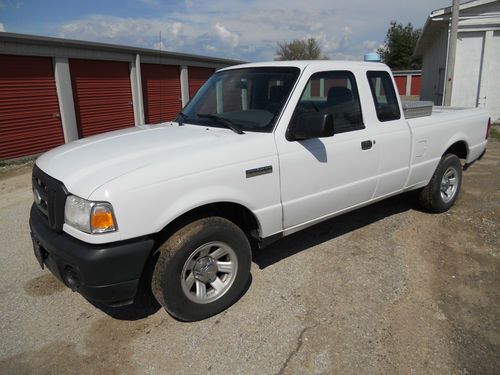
(72, 43)
(439, 17)
(463, 6)
(430, 28)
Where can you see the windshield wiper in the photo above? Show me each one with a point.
(180, 118)
(227, 123)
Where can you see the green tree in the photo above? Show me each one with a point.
(399, 44)
(299, 50)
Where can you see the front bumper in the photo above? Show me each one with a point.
(106, 273)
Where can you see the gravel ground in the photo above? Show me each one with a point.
(385, 289)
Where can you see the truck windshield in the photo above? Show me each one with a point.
(247, 99)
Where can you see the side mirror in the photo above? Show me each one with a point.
(311, 125)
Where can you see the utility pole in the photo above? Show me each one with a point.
(452, 49)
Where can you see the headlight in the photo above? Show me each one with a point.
(89, 217)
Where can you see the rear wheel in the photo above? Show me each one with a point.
(202, 269)
(443, 188)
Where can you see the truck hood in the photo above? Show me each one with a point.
(87, 164)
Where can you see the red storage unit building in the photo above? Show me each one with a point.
(102, 94)
(197, 77)
(401, 84)
(415, 85)
(161, 91)
(29, 109)
(55, 90)
(408, 82)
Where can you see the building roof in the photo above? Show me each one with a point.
(94, 46)
(439, 19)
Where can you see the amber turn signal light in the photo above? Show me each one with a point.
(102, 219)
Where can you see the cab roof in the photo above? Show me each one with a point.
(302, 64)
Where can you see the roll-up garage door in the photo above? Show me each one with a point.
(161, 90)
(415, 85)
(102, 95)
(29, 110)
(401, 84)
(197, 77)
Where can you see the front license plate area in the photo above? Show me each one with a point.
(39, 252)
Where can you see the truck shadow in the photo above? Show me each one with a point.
(333, 228)
(145, 304)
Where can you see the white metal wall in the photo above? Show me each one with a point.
(468, 64)
(490, 81)
(477, 71)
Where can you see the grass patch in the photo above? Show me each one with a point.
(495, 132)
(15, 162)
(9, 168)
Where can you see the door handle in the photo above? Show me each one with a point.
(366, 145)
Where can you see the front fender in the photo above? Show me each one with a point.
(147, 209)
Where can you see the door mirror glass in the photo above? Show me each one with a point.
(311, 125)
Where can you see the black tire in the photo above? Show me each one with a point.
(174, 254)
(431, 197)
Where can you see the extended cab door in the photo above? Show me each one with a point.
(322, 176)
(393, 135)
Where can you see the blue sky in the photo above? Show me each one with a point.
(247, 30)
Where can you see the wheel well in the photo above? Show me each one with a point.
(459, 149)
(234, 212)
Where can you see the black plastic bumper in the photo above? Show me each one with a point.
(106, 273)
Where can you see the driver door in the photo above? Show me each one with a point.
(323, 176)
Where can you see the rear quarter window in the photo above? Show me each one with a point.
(384, 96)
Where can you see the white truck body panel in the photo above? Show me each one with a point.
(435, 134)
(153, 174)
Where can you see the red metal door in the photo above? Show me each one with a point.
(197, 77)
(161, 90)
(29, 110)
(401, 84)
(102, 95)
(415, 84)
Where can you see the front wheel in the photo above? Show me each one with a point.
(202, 269)
(443, 188)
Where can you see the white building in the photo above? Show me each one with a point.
(477, 62)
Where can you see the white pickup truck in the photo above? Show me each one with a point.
(261, 151)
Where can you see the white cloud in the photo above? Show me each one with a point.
(176, 28)
(2, 27)
(160, 46)
(210, 48)
(132, 31)
(251, 30)
(346, 34)
(371, 45)
(226, 36)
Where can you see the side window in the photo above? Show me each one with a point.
(384, 96)
(336, 93)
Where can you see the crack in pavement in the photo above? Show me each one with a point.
(297, 348)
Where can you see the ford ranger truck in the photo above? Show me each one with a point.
(261, 151)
